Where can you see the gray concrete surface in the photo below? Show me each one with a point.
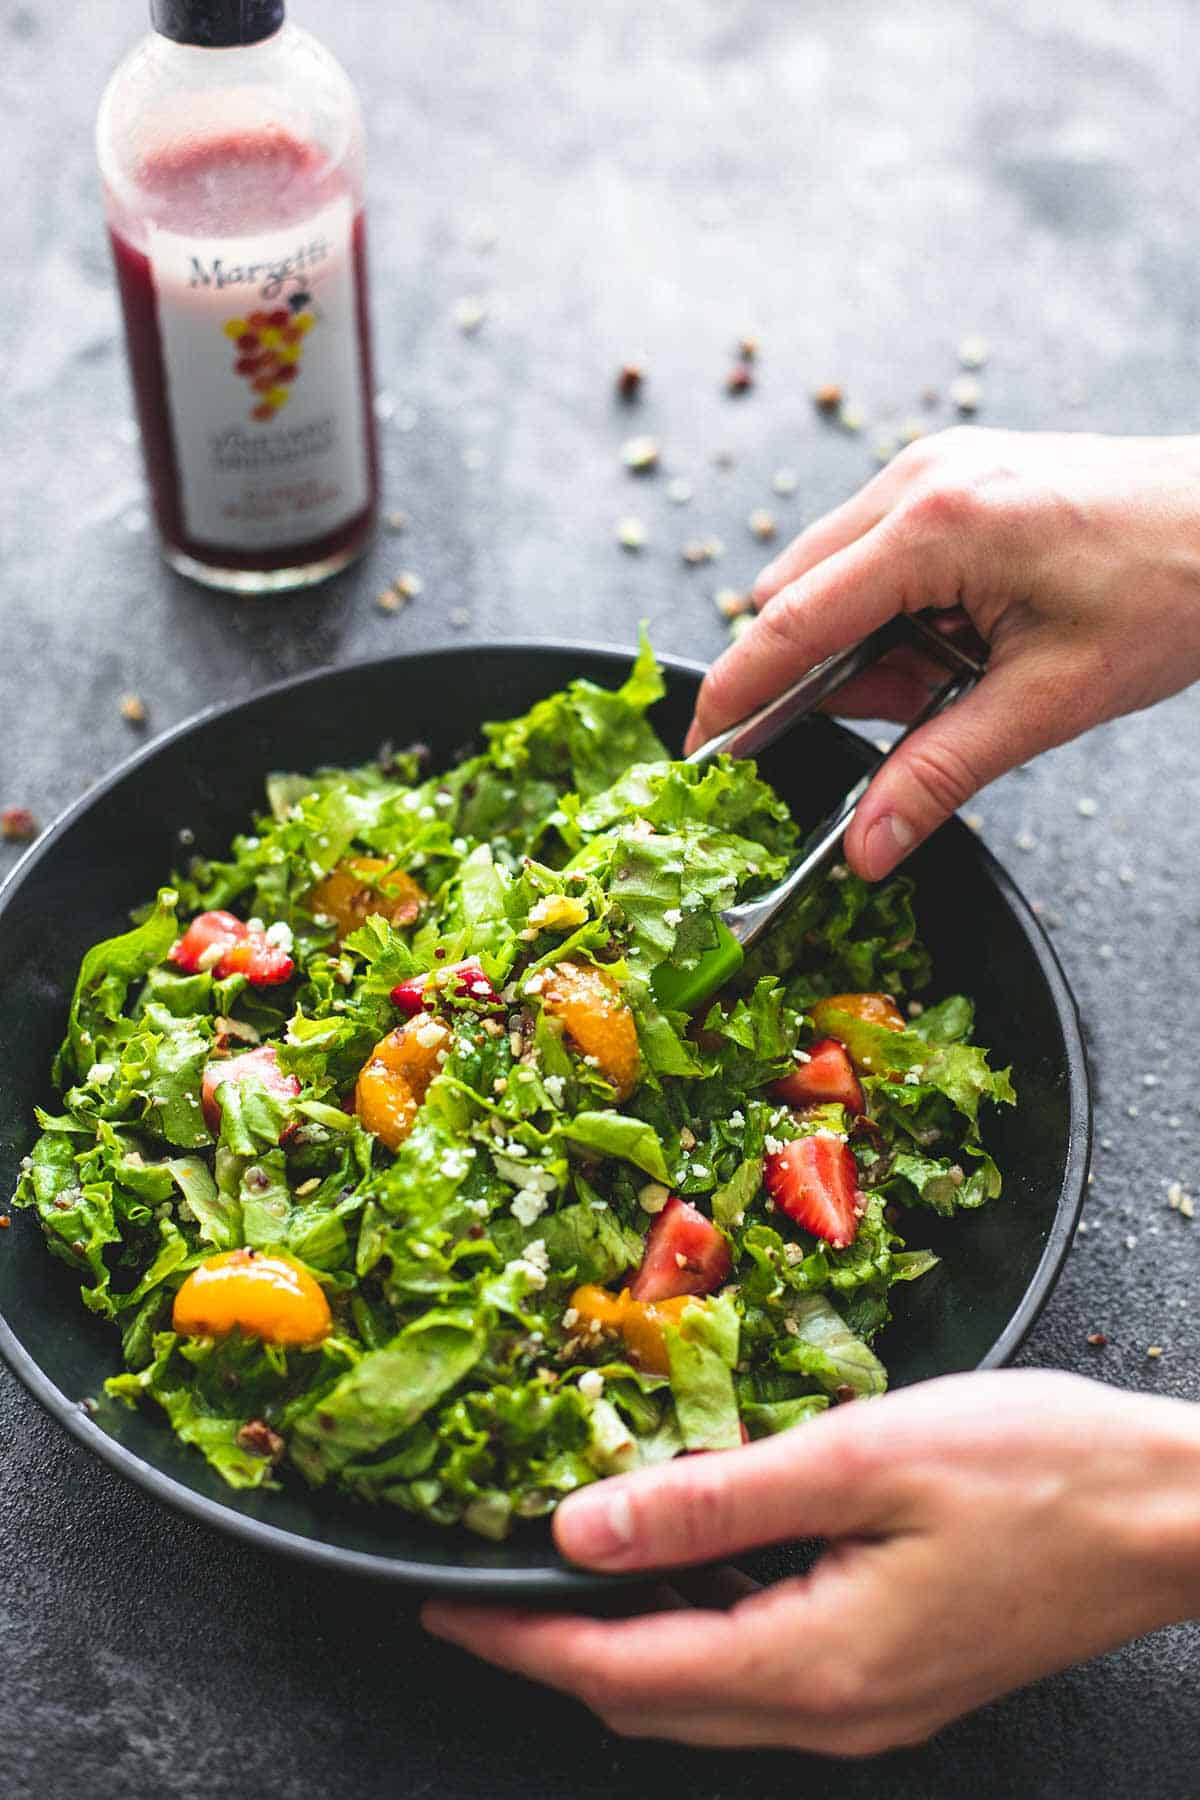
(861, 185)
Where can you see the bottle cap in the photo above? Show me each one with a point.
(216, 24)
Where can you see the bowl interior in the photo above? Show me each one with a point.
(113, 849)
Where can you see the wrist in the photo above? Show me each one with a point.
(1165, 1514)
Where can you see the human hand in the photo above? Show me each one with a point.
(986, 1530)
(1076, 557)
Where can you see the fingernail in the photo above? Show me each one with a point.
(886, 842)
(595, 1527)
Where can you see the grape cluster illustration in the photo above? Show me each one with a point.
(270, 347)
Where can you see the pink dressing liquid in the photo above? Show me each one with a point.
(233, 186)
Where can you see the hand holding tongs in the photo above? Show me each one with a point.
(741, 926)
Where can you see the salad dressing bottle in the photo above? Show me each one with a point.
(231, 155)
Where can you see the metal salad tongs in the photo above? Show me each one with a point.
(741, 926)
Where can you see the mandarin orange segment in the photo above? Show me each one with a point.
(639, 1323)
(267, 1297)
(359, 886)
(396, 1077)
(642, 1329)
(596, 1019)
(874, 1009)
(385, 1104)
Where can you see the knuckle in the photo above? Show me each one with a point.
(942, 774)
(703, 1510)
(717, 702)
(839, 1689)
(604, 1690)
(947, 505)
(776, 624)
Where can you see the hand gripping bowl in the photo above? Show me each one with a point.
(111, 850)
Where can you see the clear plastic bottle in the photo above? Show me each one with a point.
(231, 154)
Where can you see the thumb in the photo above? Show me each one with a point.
(1006, 720)
(825, 1480)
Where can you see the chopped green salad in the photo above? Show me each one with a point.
(379, 1149)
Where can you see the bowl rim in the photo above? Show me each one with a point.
(564, 1581)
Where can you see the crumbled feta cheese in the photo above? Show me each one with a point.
(533, 1264)
(528, 1206)
(280, 935)
(673, 916)
(700, 1171)
(553, 1085)
(591, 1384)
(569, 1318)
(737, 1119)
(535, 1276)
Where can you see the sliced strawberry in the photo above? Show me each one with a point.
(827, 1076)
(263, 963)
(258, 1065)
(814, 1180)
(684, 1254)
(466, 980)
(226, 945)
(206, 940)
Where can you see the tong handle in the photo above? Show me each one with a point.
(750, 920)
(815, 686)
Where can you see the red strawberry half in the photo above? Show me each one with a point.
(684, 1254)
(466, 980)
(226, 945)
(206, 940)
(828, 1076)
(263, 963)
(814, 1180)
(257, 1065)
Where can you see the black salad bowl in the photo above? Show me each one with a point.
(116, 846)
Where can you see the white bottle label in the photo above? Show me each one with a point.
(264, 381)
